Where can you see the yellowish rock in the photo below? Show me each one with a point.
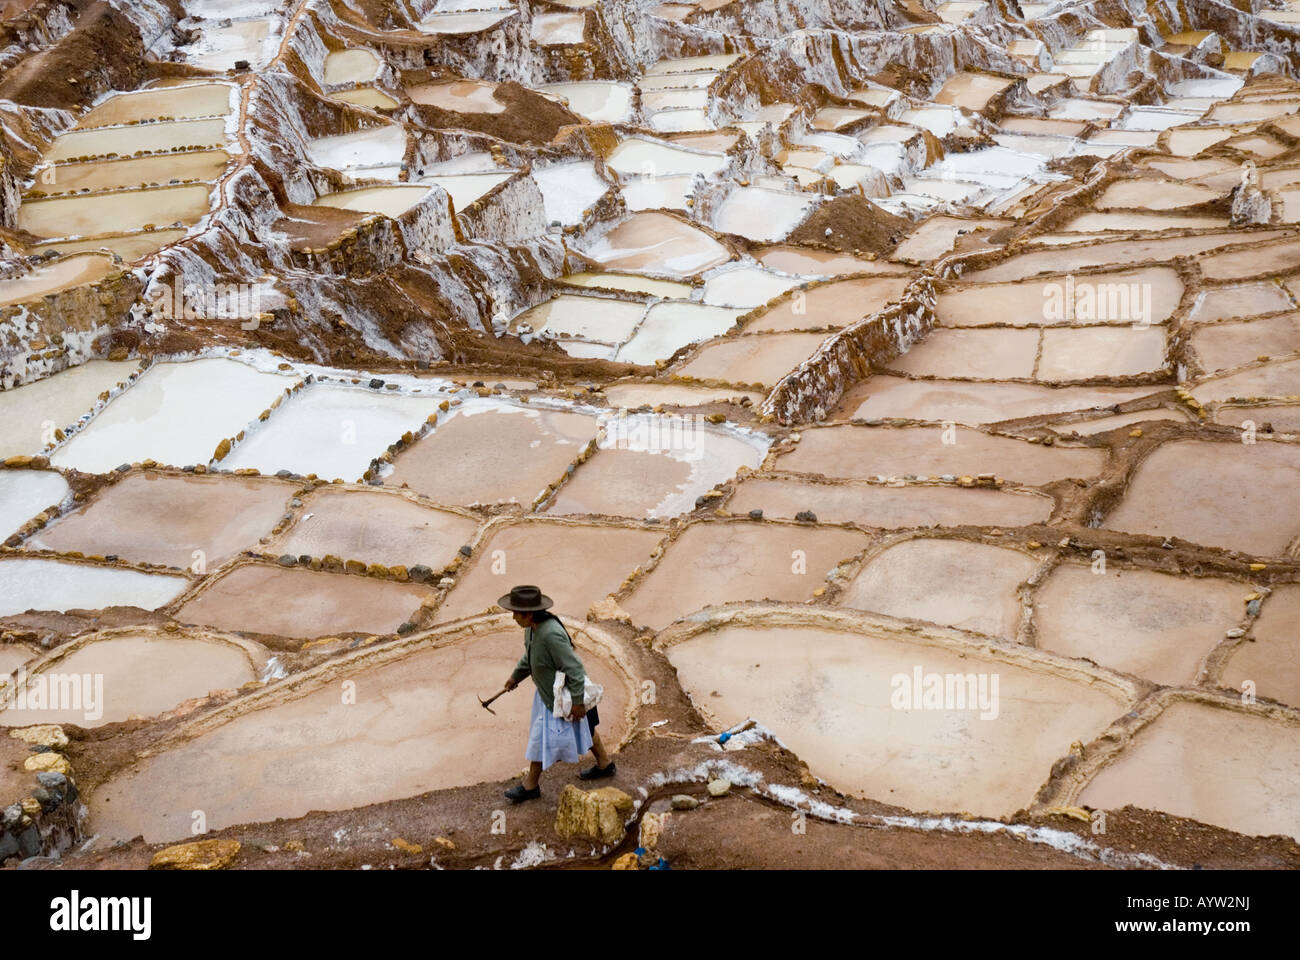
(1076, 813)
(41, 762)
(593, 814)
(406, 846)
(42, 735)
(31, 806)
(215, 854)
(608, 609)
(626, 862)
(445, 843)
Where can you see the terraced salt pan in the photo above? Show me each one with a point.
(376, 147)
(817, 263)
(1190, 141)
(599, 101)
(1154, 195)
(1280, 379)
(13, 656)
(331, 431)
(938, 235)
(971, 586)
(1255, 261)
(127, 140)
(982, 354)
(746, 287)
(1084, 353)
(301, 603)
(658, 193)
(973, 403)
(179, 103)
(493, 452)
(1140, 223)
(1088, 428)
(674, 121)
(594, 561)
(1150, 295)
(181, 521)
(56, 401)
(87, 214)
(762, 359)
(1272, 661)
(650, 158)
(63, 274)
(221, 47)
(601, 319)
(358, 65)
(418, 727)
(459, 96)
(631, 283)
(1157, 626)
(135, 171)
(1228, 345)
(670, 325)
(831, 696)
(1212, 764)
(466, 188)
(568, 189)
(1284, 418)
(715, 563)
(650, 466)
(659, 244)
(390, 201)
(366, 97)
(464, 23)
(761, 214)
(175, 413)
(37, 584)
(142, 674)
(1234, 495)
(25, 493)
(862, 452)
(874, 505)
(130, 248)
(631, 395)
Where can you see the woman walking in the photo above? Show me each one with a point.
(547, 651)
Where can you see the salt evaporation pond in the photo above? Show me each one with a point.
(458, 96)
(186, 102)
(87, 214)
(670, 325)
(143, 673)
(39, 584)
(568, 189)
(390, 201)
(651, 158)
(352, 66)
(175, 413)
(25, 493)
(746, 287)
(331, 431)
(466, 188)
(60, 275)
(657, 243)
(761, 214)
(376, 147)
(57, 401)
(600, 101)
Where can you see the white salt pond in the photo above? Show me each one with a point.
(390, 201)
(54, 403)
(658, 193)
(465, 188)
(557, 28)
(639, 157)
(659, 244)
(671, 325)
(459, 96)
(600, 101)
(25, 493)
(588, 318)
(176, 413)
(375, 147)
(568, 189)
(64, 273)
(38, 584)
(747, 287)
(758, 213)
(632, 283)
(331, 431)
(352, 66)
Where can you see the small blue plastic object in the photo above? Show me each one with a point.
(639, 851)
(724, 737)
(661, 865)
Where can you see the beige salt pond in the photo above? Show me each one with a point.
(954, 583)
(1154, 195)
(13, 656)
(1240, 300)
(375, 527)
(819, 263)
(655, 466)
(476, 456)
(858, 452)
(58, 400)
(64, 273)
(130, 248)
(837, 304)
(137, 673)
(180, 521)
(366, 97)
(1151, 294)
(135, 138)
(874, 505)
(973, 403)
(125, 210)
(301, 603)
(137, 171)
(1151, 624)
(459, 96)
(574, 564)
(628, 396)
(759, 359)
(1088, 428)
(351, 66)
(1271, 661)
(715, 563)
(1217, 765)
(1237, 496)
(176, 103)
(981, 354)
(390, 201)
(658, 244)
(1228, 345)
(415, 726)
(833, 697)
(601, 319)
(629, 282)
(1083, 353)
(1281, 379)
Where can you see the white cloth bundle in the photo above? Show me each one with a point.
(591, 694)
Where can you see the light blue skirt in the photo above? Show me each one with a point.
(552, 741)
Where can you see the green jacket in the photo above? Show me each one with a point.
(548, 650)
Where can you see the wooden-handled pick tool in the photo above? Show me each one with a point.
(487, 703)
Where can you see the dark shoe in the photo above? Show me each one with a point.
(519, 793)
(597, 773)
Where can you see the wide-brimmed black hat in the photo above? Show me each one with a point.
(525, 599)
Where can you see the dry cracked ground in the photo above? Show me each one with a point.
(909, 390)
